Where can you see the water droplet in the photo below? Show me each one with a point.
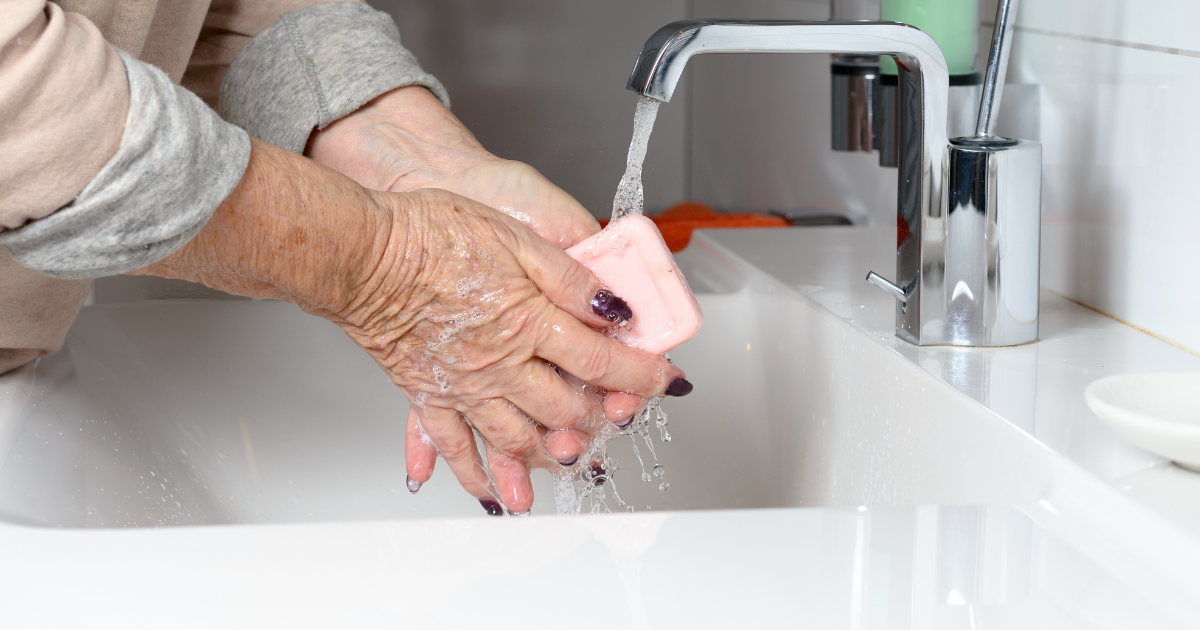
(629, 508)
(646, 477)
(659, 470)
(664, 487)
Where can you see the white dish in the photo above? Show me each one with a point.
(1158, 412)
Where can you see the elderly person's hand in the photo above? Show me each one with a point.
(405, 140)
(461, 305)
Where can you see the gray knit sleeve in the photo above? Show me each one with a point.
(177, 162)
(314, 66)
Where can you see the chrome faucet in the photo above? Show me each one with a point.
(953, 258)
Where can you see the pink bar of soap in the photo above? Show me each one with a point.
(632, 260)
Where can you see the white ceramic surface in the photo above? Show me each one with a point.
(255, 414)
(193, 413)
(1158, 412)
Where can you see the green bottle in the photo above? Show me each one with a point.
(953, 24)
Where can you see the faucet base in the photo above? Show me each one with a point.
(981, 259)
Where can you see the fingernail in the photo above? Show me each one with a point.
(611, 307)
(493, 507)
(413, 484)
(568, 462)
(625, 423)
(520, 514)
(599, 475)
(679, 387)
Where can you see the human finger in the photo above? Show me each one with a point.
(420, 454)
(621, 407)
(606, 363)
(511, 476)
(510, 431)
(565, 446)
(456, 444)
(568, 284)
(548, 398)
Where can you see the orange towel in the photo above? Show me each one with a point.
(677, 222)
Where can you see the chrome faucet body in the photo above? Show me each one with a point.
(932, 249)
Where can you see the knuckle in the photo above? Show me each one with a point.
(576, 275)
(562, 417)
(598, 362)
(520, 445)
(455, 449)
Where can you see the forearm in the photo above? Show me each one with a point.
(291, 230)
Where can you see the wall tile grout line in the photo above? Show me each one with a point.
(1183, 52)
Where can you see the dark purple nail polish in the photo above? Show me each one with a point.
(413, 484)
(625, 423)
(493, 507)
(611, 307)
(679, 387)
(568, 462)
(599, 475)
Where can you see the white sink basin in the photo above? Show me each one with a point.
(189, 413)
(226, 412)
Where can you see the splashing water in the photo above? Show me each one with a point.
(629, 197)
(596, 469)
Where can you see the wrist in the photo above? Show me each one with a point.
(402, 140)
(295, 231)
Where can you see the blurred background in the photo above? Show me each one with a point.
(1117, 82)
(1114, 86)
(543, 81)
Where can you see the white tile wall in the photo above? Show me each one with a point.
(1120, 84)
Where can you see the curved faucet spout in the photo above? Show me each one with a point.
(668, 50)
(923, 88)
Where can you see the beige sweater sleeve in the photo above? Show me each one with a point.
(63, 104)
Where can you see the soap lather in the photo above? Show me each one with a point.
(632, 260)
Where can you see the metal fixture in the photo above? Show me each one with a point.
(852, 82)
(921, 121)
(988, 241)
(963, 279)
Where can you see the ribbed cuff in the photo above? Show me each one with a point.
(177, 162)
(314, 66)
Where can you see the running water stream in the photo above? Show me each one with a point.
(595, 468)
(630, 198)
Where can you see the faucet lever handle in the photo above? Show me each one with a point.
(893, 289)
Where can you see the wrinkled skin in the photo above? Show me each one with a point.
(460, 304)
(469, 338)
(406, 140)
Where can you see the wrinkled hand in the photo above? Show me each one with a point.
(467, 318)
(405, 140)
(462, 306)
